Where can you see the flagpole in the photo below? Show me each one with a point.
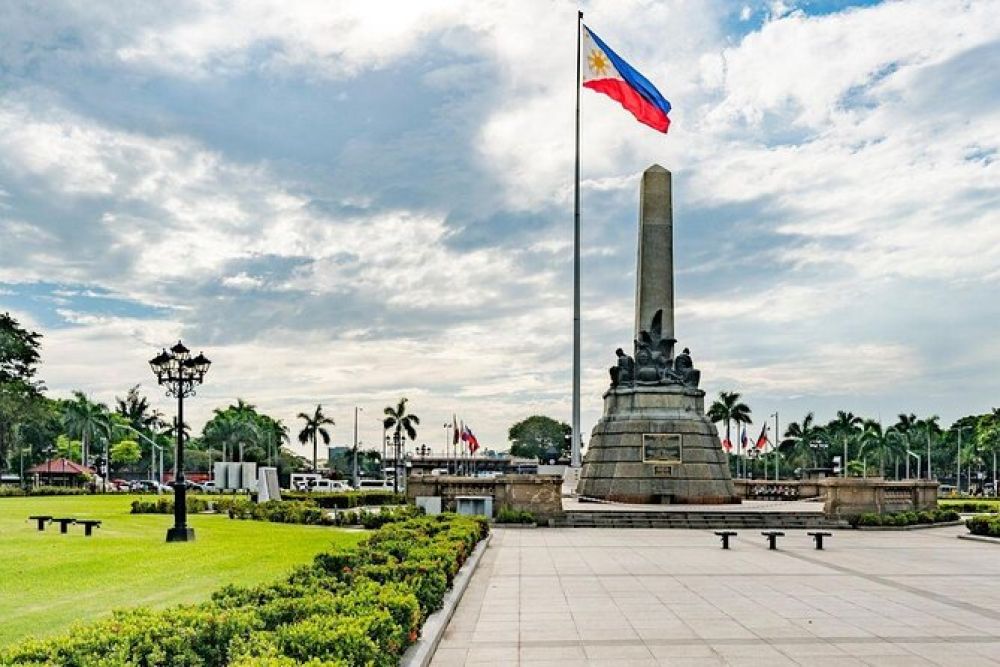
(575, 447)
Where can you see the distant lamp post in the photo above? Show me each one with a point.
(180, 373)
(423, 450)
(396, 446)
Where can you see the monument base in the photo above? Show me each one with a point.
(655, 445)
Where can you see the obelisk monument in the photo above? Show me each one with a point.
(654, 284)
(654, 443)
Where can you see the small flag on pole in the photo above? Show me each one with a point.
(606, 72)
(762, 440)
(743, 440)
(727, 445)
(454, 425)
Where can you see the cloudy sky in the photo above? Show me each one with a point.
(349, 202)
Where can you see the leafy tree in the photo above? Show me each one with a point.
(402, 423)
(125, 453)
(539, 436)
(68, 448)
(314, 429)
(20, 392)
(886, 443)
(231, 431)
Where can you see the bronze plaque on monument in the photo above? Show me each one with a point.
(661, 448)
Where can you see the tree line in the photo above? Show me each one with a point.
(132, 436)
(970, 444)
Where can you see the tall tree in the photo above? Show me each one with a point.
(538, 437)
(136, 409)
(315, 428)
(886, 443)
(231, 431)
(402, 423)
(20, 392)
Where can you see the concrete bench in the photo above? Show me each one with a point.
(772, 538)
(41, 519)
(89, 525)
(818, 538)
(725, 535)
(63, 523)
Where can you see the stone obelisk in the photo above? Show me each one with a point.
(654, 443)
(654, 283)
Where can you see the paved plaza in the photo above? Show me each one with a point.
(674, 597)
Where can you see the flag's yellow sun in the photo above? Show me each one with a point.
(598, 62)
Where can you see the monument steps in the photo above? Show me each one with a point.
(698, 519)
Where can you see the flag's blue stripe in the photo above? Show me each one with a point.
(633, 78)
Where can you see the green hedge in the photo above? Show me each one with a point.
(509, 515)
(925, 517)
(165, 505)
(18, 492)
(347, 499)
(970, 507)
(361, 605)
(986, 524)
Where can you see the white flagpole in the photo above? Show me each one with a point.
(575, 450)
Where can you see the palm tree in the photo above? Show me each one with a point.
(801, 438)
(82, 420)
(314, 429)
(400, 421)
(928, 429)
(729, 410)
(845, 430)
(885, 443)
(231, 431)
(136, 409)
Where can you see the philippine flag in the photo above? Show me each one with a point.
(605, 72)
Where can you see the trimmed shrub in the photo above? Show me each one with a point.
(18, 492)
(347, 499)
(984, 524)
(361, 605)
(510, 515)
(906, 518)
(165, 505)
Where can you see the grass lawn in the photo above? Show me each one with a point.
(49, 580)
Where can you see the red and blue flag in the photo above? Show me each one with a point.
(606, 72)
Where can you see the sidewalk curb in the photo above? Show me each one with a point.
(980, 538)
(421, 653)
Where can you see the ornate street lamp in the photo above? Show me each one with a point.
(180, 373)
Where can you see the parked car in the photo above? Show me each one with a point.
(149, 486)
(209, 487)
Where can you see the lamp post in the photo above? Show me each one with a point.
(180, 373)
(396, 441)
(354, 468)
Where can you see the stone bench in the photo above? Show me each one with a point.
(818, 538)
(772, 538)
(725, 535)
(89, 525)
(63, 523)
(41, 519)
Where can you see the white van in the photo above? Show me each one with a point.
(375, 484)
(330, 486)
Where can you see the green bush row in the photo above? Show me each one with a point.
(281, 511)
(360, 605)
(969, 506)
(986, 524)
(17, 492)
(165, 505)
(510, 515)
(906, 518)
(347, 499)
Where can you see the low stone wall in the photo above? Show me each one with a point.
(539, 494)
(759, 489)
(851, 496)
(846, 496)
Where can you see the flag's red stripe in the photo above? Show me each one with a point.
(644, 112)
